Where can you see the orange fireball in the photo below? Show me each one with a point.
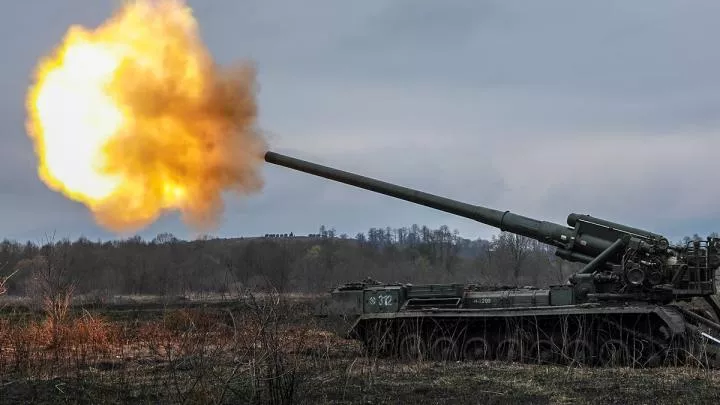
(134, 119)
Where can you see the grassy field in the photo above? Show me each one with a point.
(269, 349)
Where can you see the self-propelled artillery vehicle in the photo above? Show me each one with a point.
(627, 305)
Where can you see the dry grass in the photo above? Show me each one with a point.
(270, 350)
(250, 353)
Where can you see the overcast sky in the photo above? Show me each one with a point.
(545, 108)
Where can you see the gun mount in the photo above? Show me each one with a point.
(623, 265)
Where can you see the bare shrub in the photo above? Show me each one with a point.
(275, 371)
(50, 286)
(4, 280)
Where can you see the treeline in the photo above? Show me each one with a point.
(313, 263)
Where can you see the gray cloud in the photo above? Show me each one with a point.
(543, 108)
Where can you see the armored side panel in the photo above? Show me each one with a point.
(435, 290)
(507, 299)
(383, 299)
(520, 298)
(345, 302)
(562, 295)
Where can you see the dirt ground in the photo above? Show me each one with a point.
(359, 382)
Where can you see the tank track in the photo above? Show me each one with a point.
(591, 340)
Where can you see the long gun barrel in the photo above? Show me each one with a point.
(573, 244)
(621, 262)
